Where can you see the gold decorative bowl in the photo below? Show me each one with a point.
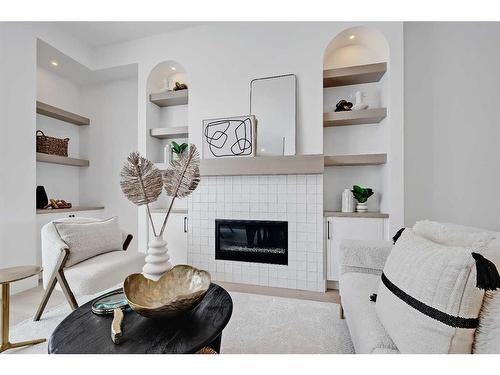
(177, 291)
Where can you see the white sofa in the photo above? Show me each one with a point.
(361, 264)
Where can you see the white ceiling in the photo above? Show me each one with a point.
(97, 34)
(75, 72)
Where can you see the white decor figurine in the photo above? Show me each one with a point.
(359, 101)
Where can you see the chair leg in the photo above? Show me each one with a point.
(56, 276)
(341, 310)
(46, 296)
(66, 290)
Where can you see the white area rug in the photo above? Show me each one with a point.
(259, 324)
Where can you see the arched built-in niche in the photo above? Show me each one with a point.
(166, 114)
(356, 60)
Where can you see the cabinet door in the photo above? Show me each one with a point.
(341, 228)
(175, 234)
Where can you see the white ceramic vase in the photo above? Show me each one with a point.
(157, 259)
(362, 207)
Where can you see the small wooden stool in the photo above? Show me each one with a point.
(7, 276)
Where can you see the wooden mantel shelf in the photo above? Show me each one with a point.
(262, 165)
(60, 114)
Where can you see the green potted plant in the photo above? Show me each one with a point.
(178, 149)
(361, 195)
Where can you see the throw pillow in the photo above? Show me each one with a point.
(453, 234)
(88, 239)
(487, 339)
(428, 300)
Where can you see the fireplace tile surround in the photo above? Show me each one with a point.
(297, 199)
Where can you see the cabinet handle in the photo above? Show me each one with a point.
(327, 230)
(185, 224)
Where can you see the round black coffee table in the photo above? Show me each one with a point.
(83, 332)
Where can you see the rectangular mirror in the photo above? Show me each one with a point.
(273, 103)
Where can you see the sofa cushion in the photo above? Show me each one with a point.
(102, 272)
(88, 239)
(367, 333)
(428, 301)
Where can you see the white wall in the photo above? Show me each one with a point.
(17, 140)
(220, 60)
(111, 137)
(452, 123)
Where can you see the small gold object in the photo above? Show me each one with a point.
(177, 291)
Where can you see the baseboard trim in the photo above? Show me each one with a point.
(332, 285)
(330, 296)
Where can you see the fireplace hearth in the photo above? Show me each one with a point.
(252, 241)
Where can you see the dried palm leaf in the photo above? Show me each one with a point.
(181, 177)
(141, 182)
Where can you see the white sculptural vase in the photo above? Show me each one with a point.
(157, 259)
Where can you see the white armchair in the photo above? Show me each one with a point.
(87, 277)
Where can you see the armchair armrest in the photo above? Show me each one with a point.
(364, 256)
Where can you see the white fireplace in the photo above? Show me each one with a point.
(295, 199)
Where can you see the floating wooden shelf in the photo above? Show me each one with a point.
(72, 209)
(375, 215)
(354, 75)
(55, 159)
(365, 116)
(262, 165)
(169, 98)
(352, 160)
(170, 132)
(60, 114)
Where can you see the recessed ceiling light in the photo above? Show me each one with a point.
(352, 37)
(54, 63)
(173, 67)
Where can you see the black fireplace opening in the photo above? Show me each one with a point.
(252, 241)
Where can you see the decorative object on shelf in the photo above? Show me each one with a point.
(180, 86)
(168, 85)
(361, 195)
(229, 137)
(347, 201)
(57, 204)
(178, 149)
(41, 197)
(51, 145)
(142, 183)
(167, 154)
(273, 102)
(112, 303)
(177, 291)
(343, 105)
(360, 104)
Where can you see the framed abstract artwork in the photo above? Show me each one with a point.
(229, 137)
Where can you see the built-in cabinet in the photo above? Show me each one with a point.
(176, 235)
(341, 228)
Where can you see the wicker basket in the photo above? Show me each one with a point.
(51, 145)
